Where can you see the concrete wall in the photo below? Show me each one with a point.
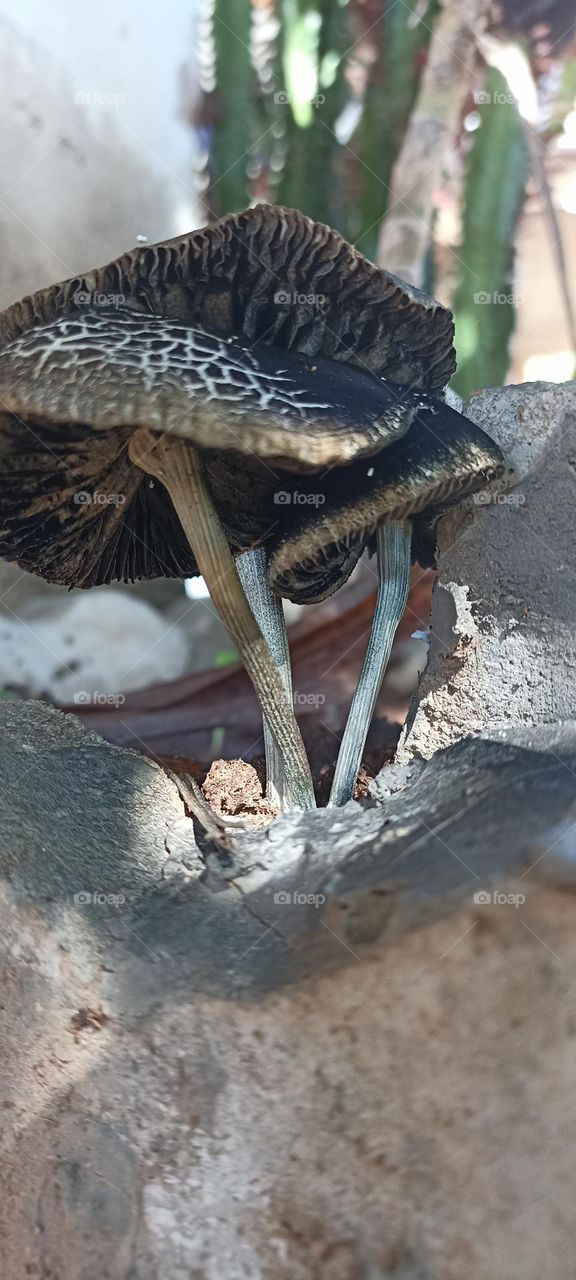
(92, 150)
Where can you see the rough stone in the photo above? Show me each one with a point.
(201, 1081)
(503, 648)
(527, 421)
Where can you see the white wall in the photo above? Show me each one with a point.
(81, 177)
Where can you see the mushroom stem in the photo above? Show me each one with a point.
(178, 465)
(393, 545)
(267, 608)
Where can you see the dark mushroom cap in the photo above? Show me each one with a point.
(443, 458)
(84, 363)
(272, 276)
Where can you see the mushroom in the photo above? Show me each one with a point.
(393, 501)
(213, 363)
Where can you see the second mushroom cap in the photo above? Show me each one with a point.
(442, 458)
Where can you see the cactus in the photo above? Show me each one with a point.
(399, 40)
(225, 116)
(269, 126)
(314, 41)
(484, 300)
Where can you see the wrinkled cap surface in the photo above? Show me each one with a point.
(114, 368)
(443, 458)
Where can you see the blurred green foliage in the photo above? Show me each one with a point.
(309, 106)
(485, 300)
(389, 97)
(276, 119)
(312, 50)
(233, 67)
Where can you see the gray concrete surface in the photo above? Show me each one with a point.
(368, 1076)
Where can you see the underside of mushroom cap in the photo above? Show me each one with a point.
(443, 458)
(274, 277)
(75, 510)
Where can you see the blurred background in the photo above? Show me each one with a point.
(439, 137)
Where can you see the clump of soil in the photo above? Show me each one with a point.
(234, 788)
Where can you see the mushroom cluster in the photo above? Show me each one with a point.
(154, 414)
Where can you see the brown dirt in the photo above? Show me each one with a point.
(234, 788)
